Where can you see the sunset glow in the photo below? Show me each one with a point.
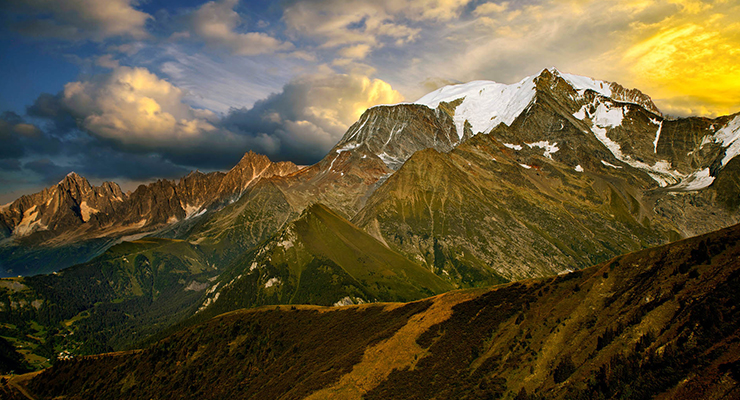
(159, 81)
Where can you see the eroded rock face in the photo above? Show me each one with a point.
(578, 177)
(576, 146)
(73, 211)
(394, 133)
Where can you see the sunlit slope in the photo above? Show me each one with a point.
(321, 259)
(659, 322)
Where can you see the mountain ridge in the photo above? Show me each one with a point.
(73, 211)
(657, 322)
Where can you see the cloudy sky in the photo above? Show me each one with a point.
(130, 91)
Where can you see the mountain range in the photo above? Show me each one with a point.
(546, 134)
(471, 186)
(660, 322)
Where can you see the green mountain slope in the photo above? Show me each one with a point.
(261, 212)
(320, 259)
(658, 322)
(131, 291)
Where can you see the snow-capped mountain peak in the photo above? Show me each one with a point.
(485, 104)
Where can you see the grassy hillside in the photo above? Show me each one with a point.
(662, 322)
(131, 291)
(321, 259)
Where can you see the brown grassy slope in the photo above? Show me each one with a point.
(660, 322)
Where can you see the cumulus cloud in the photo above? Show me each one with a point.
(311, 113)
(133, 107)
(216, 23)
(78, 19)
(132, 111)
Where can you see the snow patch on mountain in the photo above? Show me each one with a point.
(87, 211)
(610, 165)
(657, 134)
(583, 83)
(605, 117)
(347, 147)
(29, 223)
(272, 282)
(513, 146)
(729, 136)
(544, 144)
(390, 161)
(579, 168)
(696, 181)
(485, 103)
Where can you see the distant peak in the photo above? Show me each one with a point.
(72, 176)
(250, 156)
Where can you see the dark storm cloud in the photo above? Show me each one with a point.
(50, 172)
(51, 107)
(310, 115)
(132, 111)
(106, 163)
(19, 138)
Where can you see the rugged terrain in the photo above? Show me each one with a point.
(661, 322)
(74, 221)
(471, 186)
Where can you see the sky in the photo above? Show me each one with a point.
(134, 90)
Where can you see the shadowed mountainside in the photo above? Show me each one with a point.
(661, 321)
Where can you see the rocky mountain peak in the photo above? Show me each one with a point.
(74, 182)
(251, 167)
(251, 159)
(612, 90)
(394, 133)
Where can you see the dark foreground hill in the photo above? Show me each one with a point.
(662, 323)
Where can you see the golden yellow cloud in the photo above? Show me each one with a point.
(683, 53)
(690, 62)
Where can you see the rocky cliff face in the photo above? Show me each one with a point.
(73, 211)
(575, 178)
(375, 146)
(73, 201)
(572, 142)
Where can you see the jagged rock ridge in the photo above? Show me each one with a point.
(74, 211)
